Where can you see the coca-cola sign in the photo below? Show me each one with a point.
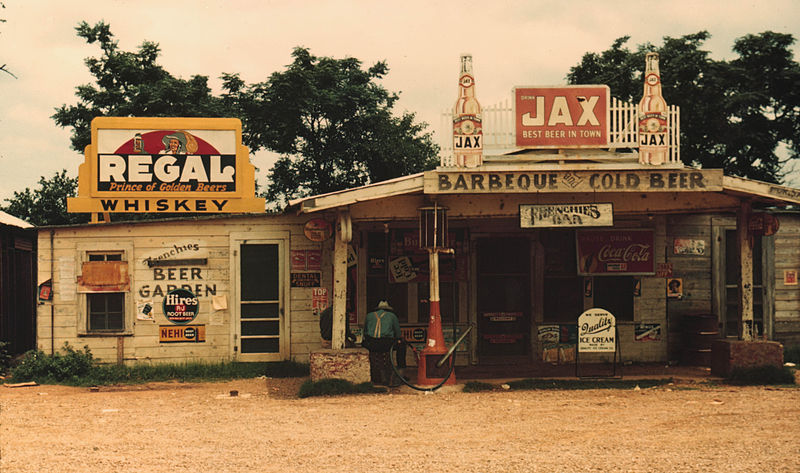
(606, 252)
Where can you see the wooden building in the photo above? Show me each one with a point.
(539, 232)
(17, 284)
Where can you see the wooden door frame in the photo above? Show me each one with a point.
(281, 238)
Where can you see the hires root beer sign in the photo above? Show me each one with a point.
(166, 165)
(562, 117)
(608, 252)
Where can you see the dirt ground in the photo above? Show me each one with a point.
(178, 427)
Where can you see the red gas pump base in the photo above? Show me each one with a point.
(427, 372)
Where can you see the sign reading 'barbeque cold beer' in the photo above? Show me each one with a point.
(478, 182)
(166, 165)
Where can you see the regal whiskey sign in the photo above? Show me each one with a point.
(166, 165)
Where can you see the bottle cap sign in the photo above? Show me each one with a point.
(318, 229)
(181, 306)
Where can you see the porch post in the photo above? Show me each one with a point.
(343, 236)
(745, 244)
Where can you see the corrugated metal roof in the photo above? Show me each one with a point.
(8, 219)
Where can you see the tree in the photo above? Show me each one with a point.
(736, 115)
(332, 124)
(131, 84)
(47, 204)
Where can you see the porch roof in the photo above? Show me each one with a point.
(763, 193)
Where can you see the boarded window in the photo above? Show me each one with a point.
(104, 276)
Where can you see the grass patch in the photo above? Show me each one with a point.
(761, 375)
(477, 386)
(569, 384)
(78, 368)
(336, 387)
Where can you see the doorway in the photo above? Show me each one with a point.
(503, 299)
(259, 322)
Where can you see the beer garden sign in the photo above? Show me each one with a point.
(176, 165)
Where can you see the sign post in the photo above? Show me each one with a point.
(597, 333)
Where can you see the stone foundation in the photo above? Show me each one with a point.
(351, 364)
(729, 354)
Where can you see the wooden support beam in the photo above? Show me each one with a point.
(343, 236)
(745, 244)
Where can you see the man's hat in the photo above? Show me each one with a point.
(385, 306)
(177, 135)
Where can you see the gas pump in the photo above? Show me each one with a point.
(431, 369)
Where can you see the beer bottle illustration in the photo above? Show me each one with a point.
(652, 116)
(467, 127)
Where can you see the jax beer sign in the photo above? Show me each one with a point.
(166, 165)
(562, 117)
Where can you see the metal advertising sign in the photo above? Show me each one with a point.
(597, 331)
(613, 252)
(566, 215)
(477, 182)
(172, 165)
(562, 117)
(181, 306)
(186, 333)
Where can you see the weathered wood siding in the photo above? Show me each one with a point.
(787, 297)
(213, 239)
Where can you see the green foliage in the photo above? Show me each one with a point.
(328, 118)
(336, 387)
(71, 366)
(735, 115)
(570, 384)
(333, 125)
(791, 353)
(129, 84)
(77, 368)
(477, 386)
(47, 204)
(5, 358)
(761, 375)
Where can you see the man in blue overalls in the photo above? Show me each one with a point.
(381, 330)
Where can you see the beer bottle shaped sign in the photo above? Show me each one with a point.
(467, 127)
(652, 116)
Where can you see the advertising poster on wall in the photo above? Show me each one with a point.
(607, 252)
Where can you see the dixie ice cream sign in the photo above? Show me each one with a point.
(562, 117)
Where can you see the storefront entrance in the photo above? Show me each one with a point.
(504, 299)
(259, 302)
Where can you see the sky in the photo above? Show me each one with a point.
(513, 43)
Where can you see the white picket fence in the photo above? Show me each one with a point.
(499, 134)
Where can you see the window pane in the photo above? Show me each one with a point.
(378, 289)
(259, 272)
(106, 311)
(563, 299)
(114, 321)
(270, 327)
(260, 310)
(260, 345)
(615, 294)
